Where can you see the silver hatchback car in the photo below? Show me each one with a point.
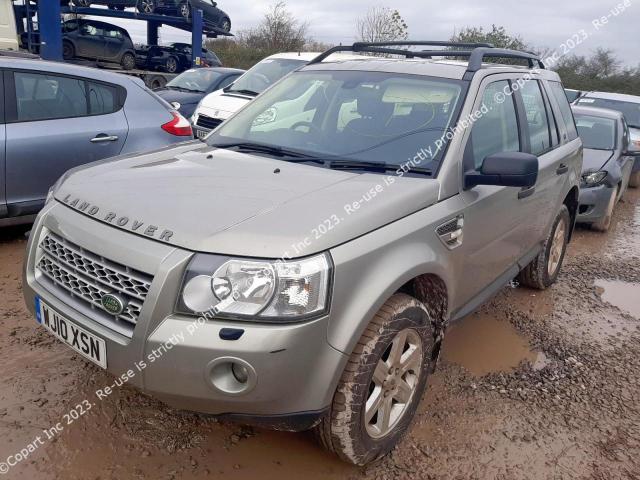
(54, 117)
(299, 271)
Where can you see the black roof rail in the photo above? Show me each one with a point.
(476, 52)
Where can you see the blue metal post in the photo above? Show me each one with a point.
(196, 37)
(152, 33)
(50, 30)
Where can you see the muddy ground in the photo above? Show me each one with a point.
(535, 385)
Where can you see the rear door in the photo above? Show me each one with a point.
(3, 137)
(542, 140)
(113, 42)
(54, 123)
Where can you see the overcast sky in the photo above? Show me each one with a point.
(543, 23)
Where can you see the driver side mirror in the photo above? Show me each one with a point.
(507, 169)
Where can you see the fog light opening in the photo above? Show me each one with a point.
(231, 376)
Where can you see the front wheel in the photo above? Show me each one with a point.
(382, 384)
(128, 61)
(544, 270)
(226, 25)
(68, 50)
(604, 223)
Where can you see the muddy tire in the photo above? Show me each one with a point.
(545, 268)
(382, 384)
(604, 223)
(634, 180)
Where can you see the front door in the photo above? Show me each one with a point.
(494, 217)
(56, 123)
(90, 41)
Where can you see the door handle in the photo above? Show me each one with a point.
(562, 169)
(526, 192)
(104, 138)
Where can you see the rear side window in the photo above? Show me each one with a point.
(41, 97)
(497, 130)
(537, 119)
(103, 99)
(565, 110)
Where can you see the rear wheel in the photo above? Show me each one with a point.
(382, 384)
(146, 6)
(544, 270)
(68, 50)
(128, 61)
(604, 223)
(634, 180)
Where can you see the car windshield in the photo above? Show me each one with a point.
(572, 95)
(264, 74)
(362, 116)
(630, 110)
(597, 133)
(196, 80)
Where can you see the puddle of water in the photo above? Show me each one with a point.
(624, 295)
(483, 344)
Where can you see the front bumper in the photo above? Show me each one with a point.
(296, 370)
(593, 203)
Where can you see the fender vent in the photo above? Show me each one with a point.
(451, 232)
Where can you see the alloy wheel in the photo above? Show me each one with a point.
(394, 383)
(147, 6)
(557, 248)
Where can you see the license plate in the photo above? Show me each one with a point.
(83, 342)
(201, 133)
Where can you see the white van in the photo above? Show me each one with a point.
(8, 31)
(220, 105)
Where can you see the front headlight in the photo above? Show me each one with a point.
(593, 179)
(279, 291)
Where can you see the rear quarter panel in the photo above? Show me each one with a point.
(146, 113)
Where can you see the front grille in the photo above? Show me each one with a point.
(88, 277)
(207, 122)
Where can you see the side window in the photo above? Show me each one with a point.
(536, 117)
(497, 130)
(44, 97)
(565, 110)
(103, 99)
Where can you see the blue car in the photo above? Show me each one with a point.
(607, 164)
(55, 116)
(186, 90)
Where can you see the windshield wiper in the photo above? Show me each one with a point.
(376, 166)
(269, 149)
(244, 92)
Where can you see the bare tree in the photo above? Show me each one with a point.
(278, 32)
(381, 24)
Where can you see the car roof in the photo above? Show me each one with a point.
(621, 97)
(452, 69)
(598, 112)
(65, 69)
(220, 69)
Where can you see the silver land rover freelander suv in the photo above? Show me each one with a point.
(299, 271)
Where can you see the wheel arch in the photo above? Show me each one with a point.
(414, 270)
